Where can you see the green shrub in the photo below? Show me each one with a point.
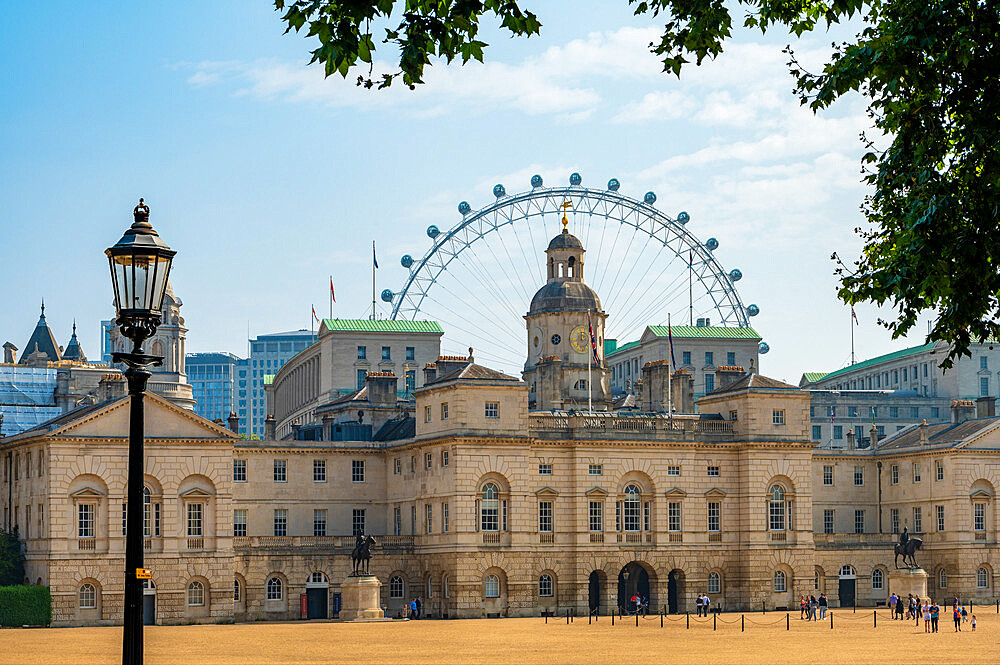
(25, 606)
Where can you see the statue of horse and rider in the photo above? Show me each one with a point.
(907, 547)
(362, 553)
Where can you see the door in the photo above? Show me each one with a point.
(672, 592)
(595, 592)
(847, 587)
(149, 609)
(316, 603)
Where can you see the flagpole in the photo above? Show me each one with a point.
(331, 296)
(852, 335)
(373, 280)
(690, 288)
(670, 392)
(590, 385)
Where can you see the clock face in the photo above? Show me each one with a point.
(578, 338)
(556, 338)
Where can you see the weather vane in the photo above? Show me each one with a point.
(564, 205)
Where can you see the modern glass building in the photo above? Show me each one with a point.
(267, 354)
(27, 398)
(213, 376)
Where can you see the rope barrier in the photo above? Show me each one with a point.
(764, 623)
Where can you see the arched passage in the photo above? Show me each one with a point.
(635, 581)
(595, 587)
(675, 591)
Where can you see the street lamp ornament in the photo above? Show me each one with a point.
(140, 266)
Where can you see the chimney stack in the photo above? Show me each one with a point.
(728, 374)
(923, 432)
(9, 353)
(962, 409)
(986, 407)
(850, 439)
(234, 423)
(269, 427)
(381, 388)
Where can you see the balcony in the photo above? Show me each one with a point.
(546, 538)
(196, 543)
(87, 544)
(322, 544)
(548, 425)
(980, 536)
(714, 537)
(834, 541)
(779, 537)
(597, 537)
(636, 539)
(676, 537)
(497, 539)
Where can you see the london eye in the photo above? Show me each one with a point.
(478, 276)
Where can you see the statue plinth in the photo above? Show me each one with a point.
(907, 581)
(361, 599)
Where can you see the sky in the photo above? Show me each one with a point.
(267, 178)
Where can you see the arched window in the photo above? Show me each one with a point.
(196, 594)
(545, 585)
(877, 580)
(847, 571)
(489, 518)
(492, 586)
(395, 586)
(317, 578)
(714, 582)
(776, 510)
(632, 508)
(274, 588)
(942, 579)
(236, 590)
(88, 597)
(982, 579)
(779, 582)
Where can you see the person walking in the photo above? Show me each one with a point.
(935, 612)
(413, 608)
(697, 605)
(965, 615)
(822, 606)
(958, 619)
(706, 603)
(973, 623)
(892, 605)
(802, 607)
(926, 611)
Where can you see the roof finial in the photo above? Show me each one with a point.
(564, 205)
(43, 308)
(141, 214)
(74, 326)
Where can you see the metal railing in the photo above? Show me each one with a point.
(196, 543)
(88, 544)
(684, 427)
(333, 544)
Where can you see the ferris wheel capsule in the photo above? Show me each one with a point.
(683, 217)
(387, 295)
(575, 179)
(536, 181)
(406, 261)
(613, 185)
(649, 198)
(464, 208)
(736, 274)
(753, 310)
(763, 348)
(499, 191)
(712, 244)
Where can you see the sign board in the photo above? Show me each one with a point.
(143, 573)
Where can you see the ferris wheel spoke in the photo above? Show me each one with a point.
(611, 254)
(612, 293)
(635, 295)
(517, 272)
(490, 285)
(639, 260)
(477, 331)
(497, 262)
(671, 292)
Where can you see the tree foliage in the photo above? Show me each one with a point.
(928, 69)
(11, 559)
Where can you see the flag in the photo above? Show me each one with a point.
(374, 258)
(831, 413)
(316, 318)
(332, 296)
(873, 416)
(855, 317)
(670, 341)
(593, 340)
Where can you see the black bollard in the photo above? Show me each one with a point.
(763, 607)
(788, 625)
(637, 617)
(546, 617)
(612, 617)
(661, 621)
(713, 620)
(687, 619)
(589, 617)
(831, 620)
(567, 617)
(742, 623)
(875, 619)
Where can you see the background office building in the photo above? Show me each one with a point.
(268, 354)
(213, 378)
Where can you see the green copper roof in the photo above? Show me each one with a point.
(719, 332)
(895, 355)
(814, 376)
(623, 347)
(268, 379)
(382, 325)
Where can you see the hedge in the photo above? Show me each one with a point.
(25, 606)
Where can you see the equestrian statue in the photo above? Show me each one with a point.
(362, 554)
(907, 547)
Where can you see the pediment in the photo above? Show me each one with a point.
(596, 491)
(676, 491)
(87, 492)
(163, 420)
(195, 493)
(981, 494)
(715, 491)
(547, 490)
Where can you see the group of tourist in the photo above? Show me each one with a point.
(416, 607)
(813, 608)
(914, 609)
(702, 604)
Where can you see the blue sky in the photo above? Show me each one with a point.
(267, 179)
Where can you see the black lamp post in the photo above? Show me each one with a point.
(140, 264)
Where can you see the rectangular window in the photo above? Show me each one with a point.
(386, 354)
(545, 516)
(733, 414)
(410, 353)
(983, 362)
(817, 432)
(362, 353)
(645, 516)
(918, 521)
(397, 521)
(397, 467)
(444, 458)
(545, 469)
(859, 476)
(444, 518)
(239, 470)
(935, 412)
(838, 431)
(444, 410)
(595, 469)
(914, 412)
(360, 379)
(493, 409)
(713, 471)
(940, 517)
(428, 518)
(984, 386)
(597, 516)
(730, 357)
(859, 521)
(852, 412)
(894, 520)
(894, 474)
(979, 517)
(319, 522)
(827, 521)
(709, 383)
(709, 358)
(319, 470)
(195, 513)
(686, 358)
(413, 519)
(674, 470)
(427, 414)
(939, 470)
(714, 516)
(280, 468)
(828, 475)
(357, 471)
(778, 417)
(674, 516)
(894, 412)
(358, 522)
(413, 463)
(239, 523)
(904, 375)
(280, 522)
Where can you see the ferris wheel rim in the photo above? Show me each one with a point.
(729, 298)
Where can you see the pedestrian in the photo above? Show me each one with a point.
(420, 606)
(813, 604)
(965, 615)
(697, 605)
(802, 607)
(973, 623)
(892, 605)
(935, 611)
(926, 611)
(958, 619)
(705, 603)
(954, 603)
(822, 606)
(413, 608)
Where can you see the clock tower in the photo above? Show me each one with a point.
(559, 322)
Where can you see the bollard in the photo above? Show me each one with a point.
(875, 619)
(546, 617)
(763, 607)
(742, 624)
(589, 616)
(714, 616)
(663, 610)
(637, 617)
(661, 621)
(855, 602)
(567, 617)
(831, 620)
(788, 625)
(687, 619)
(612, 617)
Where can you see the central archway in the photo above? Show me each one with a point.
(635, 579)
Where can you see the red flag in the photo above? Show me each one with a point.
(855, 317)
(332, 296)
(314, 314)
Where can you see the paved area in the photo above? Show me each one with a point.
(853, 640)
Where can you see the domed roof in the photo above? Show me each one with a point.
(565, 240)
(565, 296)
